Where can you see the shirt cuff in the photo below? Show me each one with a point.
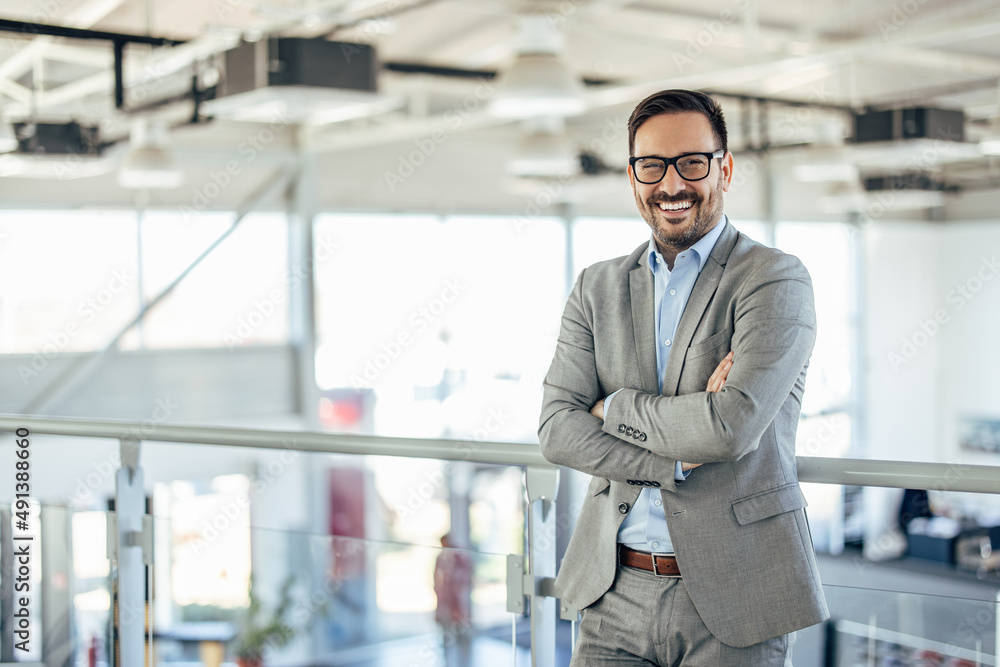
(607, 402)
(679, 474)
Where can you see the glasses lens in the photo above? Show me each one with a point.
(693, 167)
(649, 169)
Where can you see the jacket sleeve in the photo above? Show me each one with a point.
(568, 434)
(774, 332)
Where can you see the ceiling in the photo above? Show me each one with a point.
(788, 73)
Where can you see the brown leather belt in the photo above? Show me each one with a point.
(659, 564)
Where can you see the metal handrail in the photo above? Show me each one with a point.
(502, 453)
(900, 474)
(528, 578)
(861, 472)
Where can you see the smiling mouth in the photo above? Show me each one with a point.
(675, 207)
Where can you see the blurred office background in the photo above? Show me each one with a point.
(364, 217)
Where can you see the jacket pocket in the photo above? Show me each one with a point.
(769, 503)
(597, 485)
(703, 347)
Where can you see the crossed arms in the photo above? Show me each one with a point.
(773, 331)
(715, 384)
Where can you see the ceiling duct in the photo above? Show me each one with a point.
(57, 139)
(909, 123)
(296, 80)
(60, 151)
(915, 181)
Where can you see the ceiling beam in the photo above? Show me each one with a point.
(829, 54)
(145, 70)
(79, 55)
(84, 16)
(15, 91)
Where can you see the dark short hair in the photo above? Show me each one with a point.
(677, 101)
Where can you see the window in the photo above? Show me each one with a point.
(68, 280)
(449, 322)
(825, 250)
(237, 295)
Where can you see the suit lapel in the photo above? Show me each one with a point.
(704, 289)
(641, 292)
(640, 283)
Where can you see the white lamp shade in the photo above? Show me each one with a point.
(148, 164)
(543, 155)
(150, 168)
(990, 147)
(538, 84)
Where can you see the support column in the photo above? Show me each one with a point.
(57, 585)
(542, 484)
(769, 197)
(130, 505)
(301, 204)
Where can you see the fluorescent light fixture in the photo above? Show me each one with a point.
(148, 165)
(990, 147)
(54, 167)
(820, 173)
(307, 105)
(916, 154)
(875, 203)
(539, 82)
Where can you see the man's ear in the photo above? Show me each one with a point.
(631, 177)
(727, 171)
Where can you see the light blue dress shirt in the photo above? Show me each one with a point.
(645, 527)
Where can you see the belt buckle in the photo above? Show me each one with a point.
(657, 572)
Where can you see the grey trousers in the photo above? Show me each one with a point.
(644, 619)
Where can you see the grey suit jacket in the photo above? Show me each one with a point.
(737, 522)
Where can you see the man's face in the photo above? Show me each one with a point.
(680, 212)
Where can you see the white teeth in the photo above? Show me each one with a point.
(675, 206)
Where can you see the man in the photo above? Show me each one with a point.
(453, 587)
(677, 383)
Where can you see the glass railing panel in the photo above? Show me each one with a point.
(896, 629)
(342, 601)
(320, 599)
(62, 603)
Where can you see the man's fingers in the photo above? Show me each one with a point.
(689, 466)
(718, 379)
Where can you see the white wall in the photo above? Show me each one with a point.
(970, 365)
(933, 313)
(903, 290)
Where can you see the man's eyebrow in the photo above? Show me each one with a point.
(673, 156)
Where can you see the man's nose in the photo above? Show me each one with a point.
(672, 183)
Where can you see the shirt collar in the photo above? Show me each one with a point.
(702, 249)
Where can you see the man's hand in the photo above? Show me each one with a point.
(715, 385)
(718, 379)
(598, 410)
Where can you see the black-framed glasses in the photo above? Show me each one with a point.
(690, 166)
